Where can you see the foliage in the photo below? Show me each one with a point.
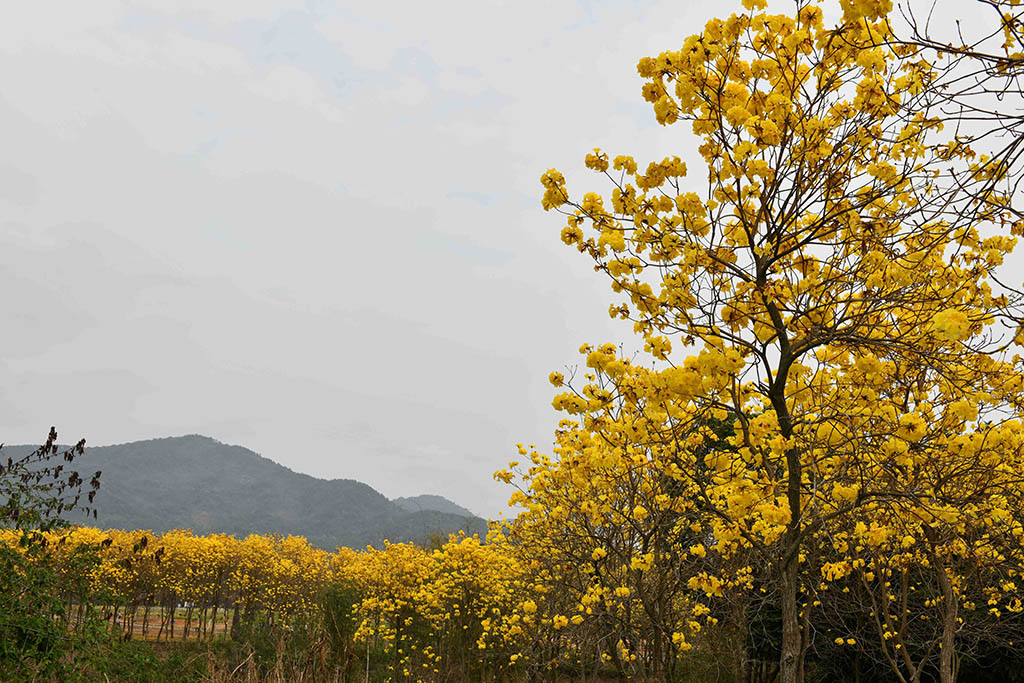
(128, 660)
(338, 604)
(36, 487)
(43, 630)
(40, 633)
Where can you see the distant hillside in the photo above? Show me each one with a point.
(199, 483)
(429, 502)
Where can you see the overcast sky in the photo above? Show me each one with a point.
(311, 228)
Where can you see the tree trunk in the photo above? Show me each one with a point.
(947, 653)
(234, 622)
(741, 672)
(656, 661)
(947, 643)
(791, 657)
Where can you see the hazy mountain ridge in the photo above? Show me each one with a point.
(431, 502)
(199, 483)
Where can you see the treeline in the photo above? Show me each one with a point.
(402, 611)
(516, 608)
(207, 580)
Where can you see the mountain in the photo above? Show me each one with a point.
(199, 483)
(429, 502)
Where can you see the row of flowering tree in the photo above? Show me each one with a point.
(209, 583)
(417, 610)
(609, 572)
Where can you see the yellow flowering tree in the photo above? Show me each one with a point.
(475, 582)
(390, 580)
(833, 276)
(616, 541)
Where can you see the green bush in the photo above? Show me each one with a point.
(48, 627)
